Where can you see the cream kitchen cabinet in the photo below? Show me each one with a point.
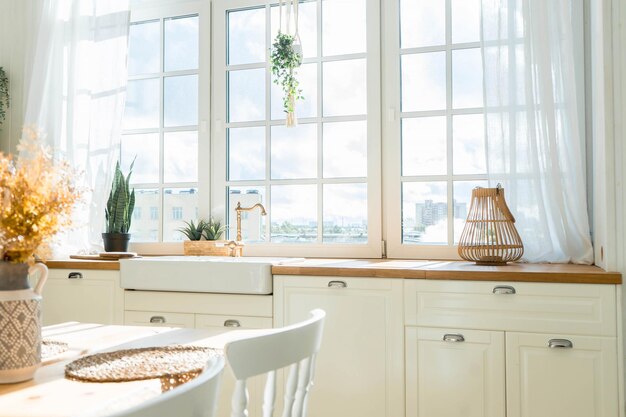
(199, 310)
(360, 367)
(205, 311)
(454, 372)
(553, 346)
(89, 296)
(561, 375)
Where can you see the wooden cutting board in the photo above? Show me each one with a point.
(106, 256)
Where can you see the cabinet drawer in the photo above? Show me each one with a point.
(82, 295)
(204, 321)
(82, 275)
(327, 282)
(158, 318)
(536, 307)
(199, 303)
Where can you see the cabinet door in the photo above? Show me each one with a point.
(452, 372)
(83, 295)
(576, 381)
(256, 384)
(359, 368)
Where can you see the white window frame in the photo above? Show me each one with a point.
(392, 138)
(392, 135)
(219, 151)
(160, 10)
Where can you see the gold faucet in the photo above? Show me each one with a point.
(239, 209)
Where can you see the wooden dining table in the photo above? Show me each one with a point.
(51, 394)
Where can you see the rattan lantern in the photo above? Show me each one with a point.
(489, 236)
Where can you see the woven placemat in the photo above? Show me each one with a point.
(173, 365)
(52, 348)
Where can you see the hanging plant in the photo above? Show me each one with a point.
(285, 59)
(4, 95)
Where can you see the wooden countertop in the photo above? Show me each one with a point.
(414, 269)
(452, 270)
(83, 264)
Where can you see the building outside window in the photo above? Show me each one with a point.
(177, 213)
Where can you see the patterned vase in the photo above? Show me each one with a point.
(20, 321)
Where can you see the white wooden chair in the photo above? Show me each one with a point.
(196, 398)
(295, 346)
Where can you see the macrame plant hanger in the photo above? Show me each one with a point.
(291, 119)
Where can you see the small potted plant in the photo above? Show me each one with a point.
(285, 58)
(192, 231)
(213, 230)
(204, 239)
(119, 212)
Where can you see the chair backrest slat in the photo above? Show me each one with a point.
(239, 401)
(304, 379)
(290, 389)
(292, 346)
(269, 396)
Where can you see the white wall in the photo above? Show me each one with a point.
(619, 104)
(18, 20)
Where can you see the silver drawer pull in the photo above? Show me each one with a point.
(503, 289)
(74, 275)
(157, 319)
(454, 338)
(337, 284)
(232, 323)
(560, 344)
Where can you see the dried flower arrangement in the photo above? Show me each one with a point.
(37, 194)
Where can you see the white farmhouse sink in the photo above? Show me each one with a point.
(216, 274)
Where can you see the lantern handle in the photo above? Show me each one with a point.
(501, 202)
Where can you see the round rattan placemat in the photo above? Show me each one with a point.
(51, 348)
(173, 365)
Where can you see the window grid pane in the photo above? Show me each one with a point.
(292, 170)
(162, 111)
(442, 128)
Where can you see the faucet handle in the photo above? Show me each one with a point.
(235, 248)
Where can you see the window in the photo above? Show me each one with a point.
(413, 117)
(437, 141)
(319, 181)
(137, 213)
(177, 213)
(161, 124)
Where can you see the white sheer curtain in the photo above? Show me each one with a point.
(76, 96)
(535, 138)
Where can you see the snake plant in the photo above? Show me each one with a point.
(4, 94)
(121, 203)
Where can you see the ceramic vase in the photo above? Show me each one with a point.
(20, 321)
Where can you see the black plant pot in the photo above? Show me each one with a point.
(116, 242)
